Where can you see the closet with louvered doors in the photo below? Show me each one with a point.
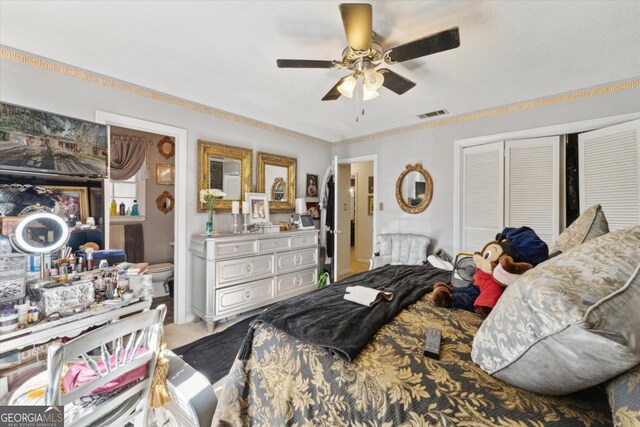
(511, 184)
(609, 172)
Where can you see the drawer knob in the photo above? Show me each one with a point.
(248, 268)
(275, 244)
(297, 259)
(236, 248)
(297, 281)
(304, 240)
(247, 294)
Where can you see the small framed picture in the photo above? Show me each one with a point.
(370, 185)
(258, 208)
(370, 204)
(72, 201)
(313, 210)
(165, 174)
(312, 185)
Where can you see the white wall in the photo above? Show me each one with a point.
(37, 88)
(434, 148)
(364, 223)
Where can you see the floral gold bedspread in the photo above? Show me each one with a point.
(390, 383)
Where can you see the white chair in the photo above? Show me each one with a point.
(400, 249)
(120, 347)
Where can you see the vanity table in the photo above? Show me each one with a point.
(69, 326)
(236, 273)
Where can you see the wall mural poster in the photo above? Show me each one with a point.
(38, 141)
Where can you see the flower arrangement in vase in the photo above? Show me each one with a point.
(209, 196)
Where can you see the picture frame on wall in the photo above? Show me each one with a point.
(370, 205)
(313, 210)
(52, 142)
(312, 185)
(71, 201)
(165, 174)
(258, 208)
(370, 185)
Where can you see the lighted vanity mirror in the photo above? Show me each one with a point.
(226, 168)
(277, 178)
(414, 189)
(40, 233)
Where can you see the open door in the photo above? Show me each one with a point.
(342, 235)
(609, 172)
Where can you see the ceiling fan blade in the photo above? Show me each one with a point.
(434, 43)
(395, 82)
(334, 93)
(306, 63)
(357, 18)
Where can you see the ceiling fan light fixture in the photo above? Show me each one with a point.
(373, 79)
(368, 94)
(347, 87)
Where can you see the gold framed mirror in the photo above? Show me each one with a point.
(277, 178)
(165, 202)
(414, 189)
(167, 147)
(226, 168)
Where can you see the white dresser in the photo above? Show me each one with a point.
(235, 273)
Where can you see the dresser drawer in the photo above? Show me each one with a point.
(296, 260)
(241, 270)
(272, 245)
(291, 284)
(232, 249)
(244, 297)
(303, 241)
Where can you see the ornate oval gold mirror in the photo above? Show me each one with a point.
(277, 178)
(226, 168)
(414, 189)
(167, 147)
(165, 202)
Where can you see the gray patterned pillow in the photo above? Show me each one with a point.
(589, 225)
(624, 398)
(571, 322)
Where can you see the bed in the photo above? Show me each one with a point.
(285, 381)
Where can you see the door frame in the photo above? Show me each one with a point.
(360, 159)
(180, 190)
(560, 129)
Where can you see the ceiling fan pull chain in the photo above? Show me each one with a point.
(357, 99)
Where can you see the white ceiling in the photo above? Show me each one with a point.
(223, 53)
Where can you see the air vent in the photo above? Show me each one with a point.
(432, 114)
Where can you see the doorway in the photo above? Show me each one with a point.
(179, 247)
(355, 215)
(142, 210)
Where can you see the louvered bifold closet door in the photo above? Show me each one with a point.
(483, 189)
(532, 185)
(609, 174)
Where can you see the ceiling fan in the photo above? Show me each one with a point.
(363, 55)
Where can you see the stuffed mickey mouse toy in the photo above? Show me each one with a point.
(501, 261)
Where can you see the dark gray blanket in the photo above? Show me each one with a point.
(325, 318)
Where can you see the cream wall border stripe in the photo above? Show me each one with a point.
(521, 106)
(49, 65)
(67, 70)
